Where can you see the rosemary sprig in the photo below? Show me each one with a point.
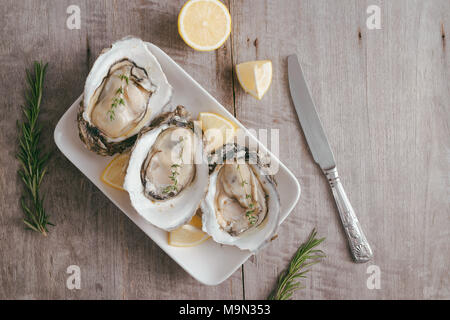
(304, 258)
(33, 163)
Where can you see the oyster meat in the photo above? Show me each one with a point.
(242, 205)
(124, 91)
(167, 175)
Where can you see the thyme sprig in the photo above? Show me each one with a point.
(123, 77)
(305, 257)
(173, 172)
(118, 99)
(173, 178)
(33, 162)
(249, 213)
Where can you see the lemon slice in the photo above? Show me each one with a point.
(204, 24)
(189, 235)
(255, 77)
(216, 129)
(115, 171)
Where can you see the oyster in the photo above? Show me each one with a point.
(242, 204)
(167, 174)
(124, 91)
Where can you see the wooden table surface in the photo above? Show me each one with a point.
(383, 97)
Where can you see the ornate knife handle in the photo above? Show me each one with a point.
(359, 246)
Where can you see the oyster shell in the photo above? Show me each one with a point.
(124, 91)
(167, 175)
(242, 204)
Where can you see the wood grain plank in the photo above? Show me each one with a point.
(382, 96)
(117, 260)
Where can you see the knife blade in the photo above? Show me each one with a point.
(308, 117)
(323, 156)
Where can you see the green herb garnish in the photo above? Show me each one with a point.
(123, 77)
(173, 178)
(118, 99)
(249, 213)
(33, 162)
(251, 218)
(304, 258)
(170, 188)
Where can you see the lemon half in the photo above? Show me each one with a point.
(204, 24)
(255, 77)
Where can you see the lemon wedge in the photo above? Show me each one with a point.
(204, 24)
(216, 129)
(115, 171)
(255, 77)
(189, 235)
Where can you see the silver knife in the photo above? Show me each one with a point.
(323, 156)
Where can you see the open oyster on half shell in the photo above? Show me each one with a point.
(167, 174)
(242, 205)
(124, 91)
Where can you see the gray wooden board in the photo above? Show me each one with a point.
(383, 97)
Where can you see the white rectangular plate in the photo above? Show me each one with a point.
(209, 263)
